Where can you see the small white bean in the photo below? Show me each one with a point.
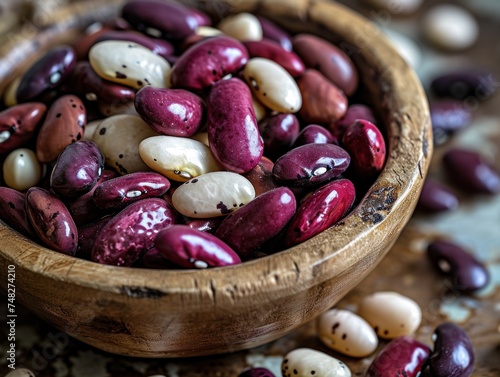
(21, 169)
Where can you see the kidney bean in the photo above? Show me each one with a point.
(320, 210)
(18, 124)
(201, 17)
(64, 124)
(154, 260)
(322, 101)
(466, 273)
(261, 176)
(51, 221)
(313, 134)
(46, 74)
(403, 356)
(273, 32)
(453, 354)
(13, 211)
(208, 225)
(89, 38)
(131, 232)
(191, 248)
(249, 227)
(174, 112)
(464, 83)
(242, 26)
(470, 171)
(304, 361)
(310, 164)
(109, 109)
(354, 112)
(121, 191)
(233, 131)
(256, 372)
(327, 58)
(436, 197)
(21, 169)
(87, 235)
(279, 132)
(450, 115)
(208, 62)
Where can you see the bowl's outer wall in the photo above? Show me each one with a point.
(191, 313)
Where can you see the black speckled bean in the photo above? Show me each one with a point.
(313, 134)
(465, 83)
(256, 372)
(13, 211)
(465, 272)
(279, 132)
(436, 197)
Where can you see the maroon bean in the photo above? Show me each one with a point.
(84, 43)
(121, 191)
(320, 210)
(154, 260)
(279, 132)
(310, 164)
(450, 116)
(436, 197)
(261, 176)
(191, 248)
(87, 235)
(470, 171)
(327, 58)
(131, 232)
(313, 134)
(51, 221)
(18, 124)
(465, 272)
(233, 132)
(264, 217)
(354, 112)
(77, 169)
(46, 74)
(174, 112)
(208, 62)
(403, 356)
(465, 83)
(208, 225)
(201, 17)
(13, 211)
(256, 372)
(453, 354)
(273, 32)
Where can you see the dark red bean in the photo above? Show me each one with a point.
(470, 171)
(261, 176)
(450, 116)
(313, 134)
(273, 32)
(256, 372)
(208, 225)
(84, 43)
(13, 211)
(453, 354)
(154, 260)
(465, 272)
(87, 235)
(354, 112)
(436, 197)
(465, 83)
(279, 133)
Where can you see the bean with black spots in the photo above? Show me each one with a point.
(13, 211)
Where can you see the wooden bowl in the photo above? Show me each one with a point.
(159, 313)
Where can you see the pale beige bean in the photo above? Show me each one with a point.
(347, 333)
(259, 108)
(90, 128)
(202, 137)
(243, 27)
(108, 109)
(390, 314)
(207, 31)
(21, 169)
(273, 85)
(177, 158)
(9, 97)
(306, 362)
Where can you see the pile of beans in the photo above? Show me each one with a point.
(161, 141)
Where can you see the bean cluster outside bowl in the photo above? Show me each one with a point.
(180, 313)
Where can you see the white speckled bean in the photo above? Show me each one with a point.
(118, 137)
(273, 85)
(243, 26)
(21, 169)
(20, 372)
(306, 362)
(177, 158)
(347, 333)
(213, 194)
(128, 64)
(390, 314)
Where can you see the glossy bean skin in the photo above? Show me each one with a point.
(273, 32)
(233, 132)
(453, 354)
(466, 273)
(470, 171)
(51, 221)
(354, 112)
(313, 134)
(464, 83)
(310, 164)
(77, 169)
(13, 211)
(302, 362)
(121, 191)
(208, 62)
(18, 124)
(131, 232)
(87, 235)
(279, 133)
(174, 112)
(436, 197)
(190, 248)
(208, 225)
(261, 176)
(256, 372)
(253, 224)
(21, 169)
(46, 74)
(403, 356)
(320, 210)
(449, 116)
(242, 26)
(330, 60)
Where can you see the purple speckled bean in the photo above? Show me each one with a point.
(208, 62)
(77, 169)
(279, 132)
(258, 221)
(131, 232)
(13, 211)
(436, 197)
(233, 132)
(121, 191)
(173, 112)
(256, 372)
(403, 356)
(465, 83)
(46, 74)
(466, 273)
(191, 248)
(320, 210)
(354, 112)
(87, 235)
(273, 32)
(311, 164)
(51, 221)
(313, 134)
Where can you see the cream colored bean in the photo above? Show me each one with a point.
(259, 108)
(9, 97)
(129, 64)
(90, 129)
(306, 362)
(213, 194)
(21, 169)
(177, 158)
(118, 137)
(390, 314)
(20, 372)
(117, 108)
(243, 26)
(273, 85)
(202, 137)
(207, 31)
